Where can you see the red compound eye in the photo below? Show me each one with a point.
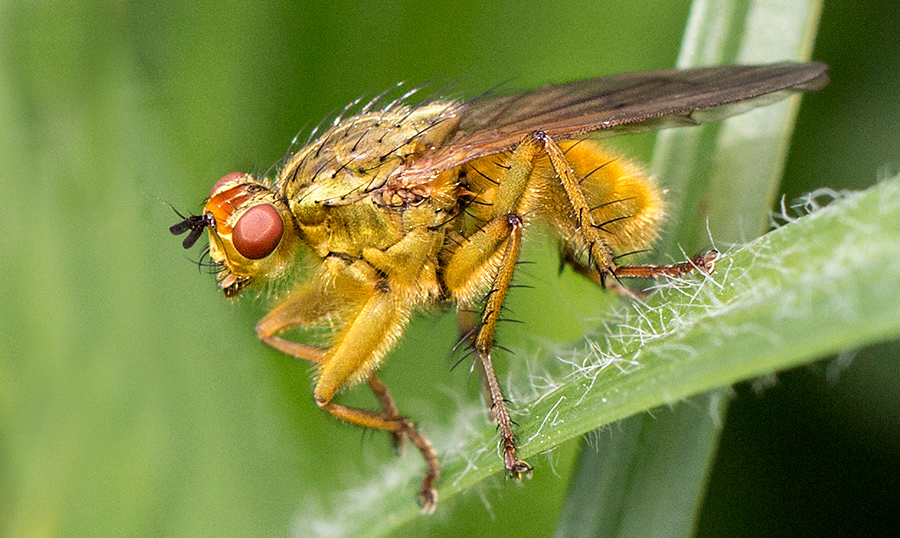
(225, 179)
(258, 232)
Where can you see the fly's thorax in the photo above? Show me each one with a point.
(359, 154)
(347, 229)
(253, 237)
(333, 185)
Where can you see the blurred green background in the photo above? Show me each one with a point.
(136, 401)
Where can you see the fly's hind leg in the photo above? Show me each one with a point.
(494, 250)
(705, 263)
(601, 264)
(492, 253)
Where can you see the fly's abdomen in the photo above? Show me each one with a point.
(624, 200)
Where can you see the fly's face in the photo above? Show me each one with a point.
(251, 232)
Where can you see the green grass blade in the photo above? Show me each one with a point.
(612, 490)
(722, 178)
(824, 283)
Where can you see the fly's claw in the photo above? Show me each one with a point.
(706, 262)
(428, 498)
(518, 470)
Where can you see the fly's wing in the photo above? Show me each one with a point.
(620, 104)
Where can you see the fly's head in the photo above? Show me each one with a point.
(251, 232)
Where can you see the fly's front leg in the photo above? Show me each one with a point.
(300, 309)
(376, 324)
(357, 351)
(398, 438)
(304, 306)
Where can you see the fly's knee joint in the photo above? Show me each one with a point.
(263, 332)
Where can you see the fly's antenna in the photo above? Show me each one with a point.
(194, 225)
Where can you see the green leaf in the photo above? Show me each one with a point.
(827, 282)
(721, 180)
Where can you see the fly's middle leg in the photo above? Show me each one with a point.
(491, 254)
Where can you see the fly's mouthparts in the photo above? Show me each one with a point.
(196, 224)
